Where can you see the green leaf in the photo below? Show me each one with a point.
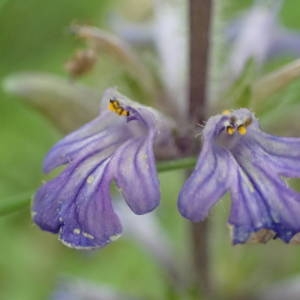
(266, 87)
(67, 104)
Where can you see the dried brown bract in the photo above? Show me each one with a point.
(81, 62)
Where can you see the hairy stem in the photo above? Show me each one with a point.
(200, 12)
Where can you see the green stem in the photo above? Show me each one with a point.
(182, 163)
(17, 202)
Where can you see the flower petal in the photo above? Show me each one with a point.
(249, 210)
(98, 131)
(261, 200)
(207, 184)
(79, 189)
(135, 174)
(281, 152)
(89, 220)
(45, 208)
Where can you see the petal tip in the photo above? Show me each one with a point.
(145, 207)
(81, 240)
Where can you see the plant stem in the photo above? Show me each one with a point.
(182, 163)
(200, 12)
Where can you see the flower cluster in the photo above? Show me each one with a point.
(118, 146)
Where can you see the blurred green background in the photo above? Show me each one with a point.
(34, 37)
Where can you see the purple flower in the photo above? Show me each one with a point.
(116, 146)
(238, 157)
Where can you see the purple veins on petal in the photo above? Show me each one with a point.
(239, 158)
(83, 139)
(90, 220)
(116, 146)
(135, 159)
(207, 181)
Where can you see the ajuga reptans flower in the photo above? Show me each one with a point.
(237, 156)
(116, 146)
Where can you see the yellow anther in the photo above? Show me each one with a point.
(111, 106)
(242, 130)
(226, 112)
(116, 107)
(230, 130)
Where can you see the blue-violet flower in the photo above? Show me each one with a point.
(116, 146)
(238, 157)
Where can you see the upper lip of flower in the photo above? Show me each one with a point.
(233, 125)
(249, 165)
(117, 146)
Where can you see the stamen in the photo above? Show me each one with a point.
(242, 130)
(115, 106)
(230, 130)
